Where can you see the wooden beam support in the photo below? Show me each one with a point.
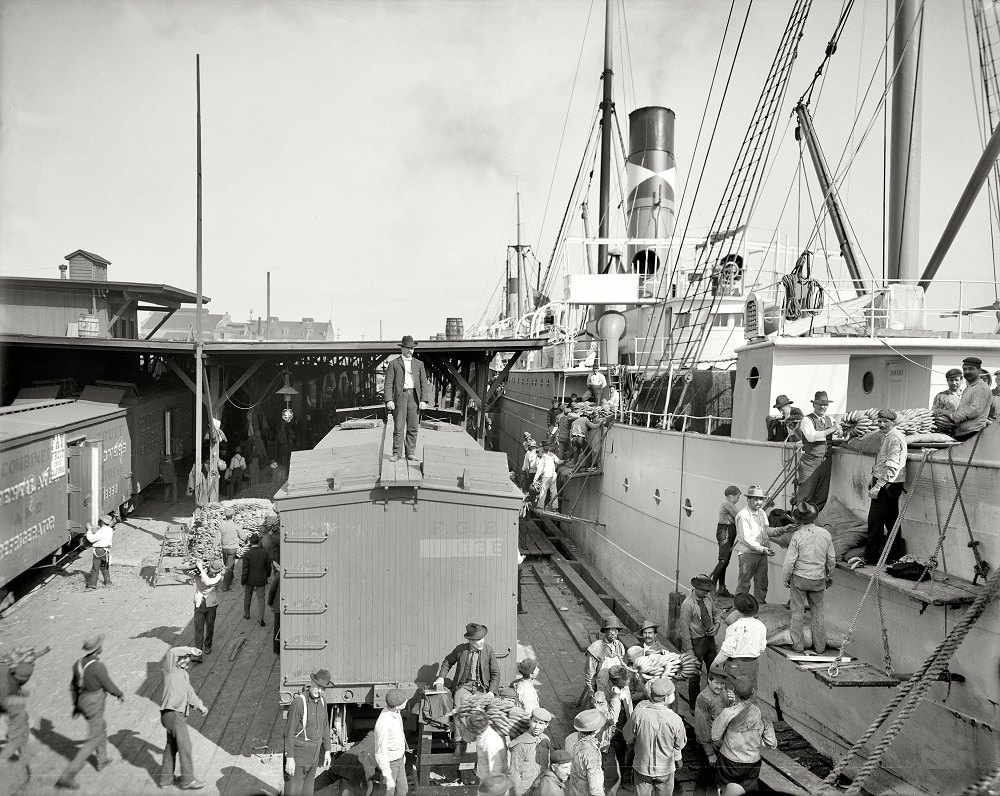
(184, 378)
(241, 380)
(501, 376)
(121, 311)
(455, 376)
(156, 328)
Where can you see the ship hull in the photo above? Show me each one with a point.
(648, 520)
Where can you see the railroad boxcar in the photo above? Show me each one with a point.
(62, 465)
(384, 563)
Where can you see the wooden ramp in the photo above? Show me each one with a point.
(851, 674)
(941, 589)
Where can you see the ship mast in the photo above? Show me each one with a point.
(904, 164)
(607, 111)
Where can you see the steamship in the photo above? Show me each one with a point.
(697, 335)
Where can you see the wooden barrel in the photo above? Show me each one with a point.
(88, 326)
(453, 329)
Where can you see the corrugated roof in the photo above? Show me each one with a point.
(22, 423)
(348, 461)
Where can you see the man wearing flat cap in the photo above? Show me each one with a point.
(307, 734)
(948, 400)
(776, 429)
(407, 390)
(602, 655)
(586, 773)
(974, 407)
(884, 489)
(529, 752)
(90, 685)
(553, 781)
(658, 735)
(494, 785)
(476, 671)
(807, 572)
(699, 622)
(390, 747)
(815, 431)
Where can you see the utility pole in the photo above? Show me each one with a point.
(267, 323)
(198, 345)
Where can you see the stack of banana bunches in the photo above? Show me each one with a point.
(655, 665)
(505, 715)
(253, 515)
(861, 422)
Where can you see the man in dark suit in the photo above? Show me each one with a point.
(407, 390)
(477, 671)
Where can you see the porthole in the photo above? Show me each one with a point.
(868, 382)
(753, 378)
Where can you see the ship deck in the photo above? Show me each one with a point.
(238, 745)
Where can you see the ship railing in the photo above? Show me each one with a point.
(951, 308)
(702, 424)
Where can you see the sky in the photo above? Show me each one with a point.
(368, 154)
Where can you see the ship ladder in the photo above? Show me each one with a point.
(981, 569)
(789, 470)
(912, 693)
(591, 450)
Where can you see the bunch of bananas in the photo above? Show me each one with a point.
(690, 665)
(505, 715)
(859, 423)
(915, 421)
(655, 665)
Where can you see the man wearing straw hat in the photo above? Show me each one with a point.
(90, 685)
(602, 655)
(815, 430)
(407, 390)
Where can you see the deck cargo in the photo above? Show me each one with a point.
(383, 563)
(62, 464)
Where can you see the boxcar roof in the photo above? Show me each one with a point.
(357, 460)
(25, 422)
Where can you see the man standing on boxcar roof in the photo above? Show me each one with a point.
(407, 390)
(477, 671)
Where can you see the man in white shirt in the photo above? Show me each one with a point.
(101, 538)
(746, 640)
(390, 746)
(753, 546)
(545, 476)
(597, 384)
(529, 465)
(807, 572)
(491, 751)
(206, 604)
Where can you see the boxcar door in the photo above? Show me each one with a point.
(82, 471)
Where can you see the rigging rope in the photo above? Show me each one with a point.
(912, 692)
(831, 49)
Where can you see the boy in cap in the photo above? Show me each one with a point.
(725, 535)
(524, 686)
(89, 686)
(553, 780)
(476, 671)
(530, 752)
(698, 622)
(175, 705)
(101, 538)
(974, 407)
(707, 708)
(746, 640)
(491, 751)
(255, 573)
(753, 546)
(658, 736)
(390, 747)
(884, 489)
(741, 732)
(948, 400)
(307, 733)
(206, 604)
(604, 653)
(807, 572)
(586, 773)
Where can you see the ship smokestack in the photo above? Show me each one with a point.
(651, 178)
